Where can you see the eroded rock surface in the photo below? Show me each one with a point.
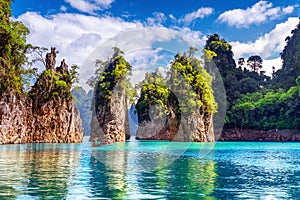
(46, 115)
(110, 108)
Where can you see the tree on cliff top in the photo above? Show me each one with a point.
(285, 77)
(109, 74)
(188, 72)
(255, 62)
(154, 91)
(12, 49)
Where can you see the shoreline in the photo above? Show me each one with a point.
(245, 135)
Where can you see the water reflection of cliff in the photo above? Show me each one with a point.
(120, 174)
(34, 170)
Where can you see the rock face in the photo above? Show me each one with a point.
(110, 121)
(196, 129)
(189, 129)
(15, 119)
(57, 122)
(165, 114)
(48, 115)
(259, 135)
(110, 109)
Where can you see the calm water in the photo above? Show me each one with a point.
(151, 170)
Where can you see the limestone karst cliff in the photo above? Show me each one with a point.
(46, 115)
(47, 112)
(56, 119)
(16, 123)
(180, 107)
(110, 103)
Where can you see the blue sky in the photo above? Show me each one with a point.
(78, 27)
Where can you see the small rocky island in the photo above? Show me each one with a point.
(110, 106)
(41, 113)
(179, 107)
(46, 114)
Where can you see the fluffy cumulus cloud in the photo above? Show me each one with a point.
(268, 45)
(146, 48)
(157, 19)
(75, 36)
(199, 14)
(81, 39)
(259, 13)
(89, 6)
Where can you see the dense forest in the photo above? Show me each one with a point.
(254, 100)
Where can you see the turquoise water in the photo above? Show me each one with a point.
(151, 170)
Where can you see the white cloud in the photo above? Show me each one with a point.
(157, 19)
(289, 9)
(89, 6)
(199, 14)
(268, 45)
(82, 39)
(268, 65)
(146, 48)
(63, 8)
(172, 17)
(259, 13)
(75, 36)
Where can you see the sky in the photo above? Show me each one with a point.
(151, 32)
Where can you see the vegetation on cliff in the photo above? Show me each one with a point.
(112, 93)
(109, 73)
(183, 97)
(286, 76)
(12, 50)
(256, 101)
(154, 91)
(44, 112)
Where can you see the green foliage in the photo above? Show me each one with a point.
(112, 73)
(154, 91)
(285, 77)
(272, 110)
(58, 85)
(12, 50)
(195, 77)
(187, 89)
(238, 82)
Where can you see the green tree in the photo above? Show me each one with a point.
(12, 49)
(110, 73)
(285, 77)
(255, 63)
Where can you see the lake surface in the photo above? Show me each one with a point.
(151, 170)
